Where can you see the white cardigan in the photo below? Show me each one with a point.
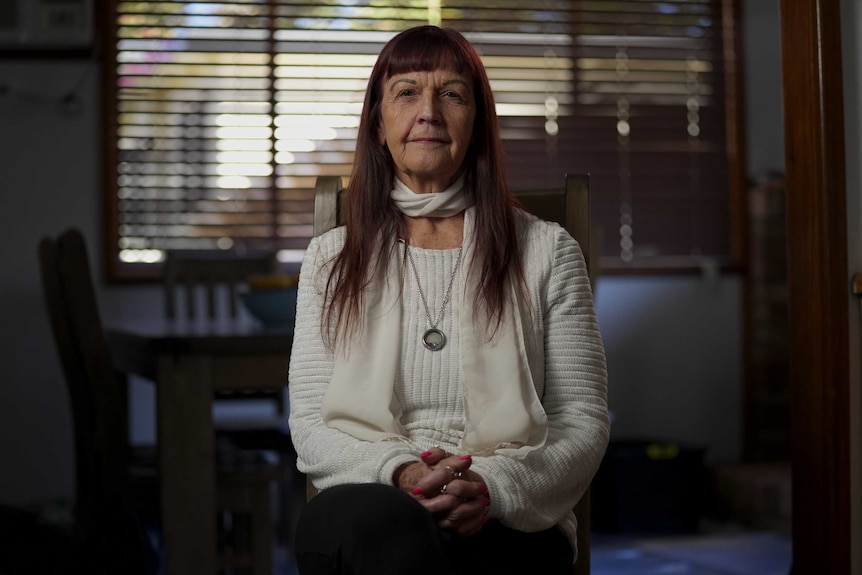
(566, 357)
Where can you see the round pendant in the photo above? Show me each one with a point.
(434, 339)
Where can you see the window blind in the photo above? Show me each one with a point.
(649, 125)
(222, 115)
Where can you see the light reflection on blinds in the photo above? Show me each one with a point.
(227, 112)
(649, 92)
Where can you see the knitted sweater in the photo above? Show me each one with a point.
(566, 358)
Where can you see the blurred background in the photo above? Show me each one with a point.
(696, 357)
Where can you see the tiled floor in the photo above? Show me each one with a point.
(737, 553)
(719, 549)
(732, 553)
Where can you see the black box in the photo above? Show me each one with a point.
(649, 487)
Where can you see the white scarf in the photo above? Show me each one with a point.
(449, 202)
(502, 411)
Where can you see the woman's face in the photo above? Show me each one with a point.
(426, 121)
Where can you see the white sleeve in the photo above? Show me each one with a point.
(536, 492)
(328, 456)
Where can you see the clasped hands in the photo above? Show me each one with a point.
(445, 485)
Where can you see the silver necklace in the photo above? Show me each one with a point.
(433, 338)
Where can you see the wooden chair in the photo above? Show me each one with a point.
(188, 275)
(214, 278)
(569, 206)
(116, 487)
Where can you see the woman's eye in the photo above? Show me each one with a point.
(406, 93)
(452, 95)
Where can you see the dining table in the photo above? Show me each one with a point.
(188, 361)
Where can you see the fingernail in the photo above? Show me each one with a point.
(486, 502)
(468, 456)
(484, 489)
(424, 454)
(416, 490)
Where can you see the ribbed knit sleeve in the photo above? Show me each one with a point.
(330, 457)
(565, 354)
(541, 489)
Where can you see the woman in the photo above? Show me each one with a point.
(447, 381)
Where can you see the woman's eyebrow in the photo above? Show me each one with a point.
(405, 80)
(456, 81)
(446, 83)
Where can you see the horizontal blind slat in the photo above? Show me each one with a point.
(227, 111)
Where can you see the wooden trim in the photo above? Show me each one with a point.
(817, 274)
(738, 189)
(676, 266)
(106, 16)
(578, 213)
(734, 103)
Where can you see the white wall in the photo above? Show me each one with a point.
(674, 359)
(48, 180)
(673, 343)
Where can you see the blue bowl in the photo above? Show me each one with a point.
(274, 308)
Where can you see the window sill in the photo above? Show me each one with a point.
(671, 265)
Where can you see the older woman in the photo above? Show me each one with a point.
(447, 381)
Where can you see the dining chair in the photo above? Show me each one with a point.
(214, 278)
(117, 502)
(567, 205)
(216, 275)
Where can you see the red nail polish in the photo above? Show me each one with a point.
(424, 454)
(486, 502)
(468, 456)
(484, 489)
(416, 490)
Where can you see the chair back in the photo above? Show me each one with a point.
(189, 275)
(107, 507)
(569, 206)
(216, 276)
(97, 401)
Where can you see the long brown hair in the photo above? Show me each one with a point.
(373, 222)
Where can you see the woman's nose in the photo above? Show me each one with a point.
(429, 111)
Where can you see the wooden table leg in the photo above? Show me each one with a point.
(187, 463)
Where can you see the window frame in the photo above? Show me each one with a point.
(734, 263)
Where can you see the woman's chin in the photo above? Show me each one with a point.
(429, 177)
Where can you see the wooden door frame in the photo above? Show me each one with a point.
(819, 282)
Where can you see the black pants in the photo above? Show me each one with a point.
(373, 529)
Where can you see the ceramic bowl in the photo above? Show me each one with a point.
(274, 308)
